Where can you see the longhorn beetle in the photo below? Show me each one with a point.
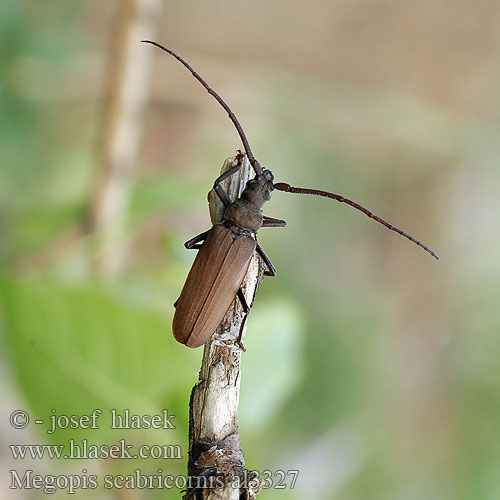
(225, 250)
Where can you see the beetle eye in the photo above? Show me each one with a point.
(267, 195)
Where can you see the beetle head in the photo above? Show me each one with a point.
(258, 190)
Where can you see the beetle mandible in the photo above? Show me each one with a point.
(225, 250)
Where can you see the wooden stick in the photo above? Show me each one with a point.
(214, 443)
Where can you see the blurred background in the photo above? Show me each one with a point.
(371, 368)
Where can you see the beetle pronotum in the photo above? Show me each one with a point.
(225, 250)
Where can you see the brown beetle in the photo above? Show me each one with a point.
(222, 262)
(224, 256)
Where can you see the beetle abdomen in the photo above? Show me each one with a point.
(212, 285)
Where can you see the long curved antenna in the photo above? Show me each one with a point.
(255, 164)
(282, 186)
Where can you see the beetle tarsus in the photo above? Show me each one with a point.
(246, 312)
(271, 270)
(239, 341)
(193, 243)
(271, 222)
(223, 196)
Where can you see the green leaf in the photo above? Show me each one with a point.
(74, 350)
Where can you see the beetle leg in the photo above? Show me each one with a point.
(271, 222)
(192, 243)
(246, 311)
(224, 197)
(271, 270)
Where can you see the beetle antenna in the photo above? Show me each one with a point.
(255, 164)
(282, 186)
